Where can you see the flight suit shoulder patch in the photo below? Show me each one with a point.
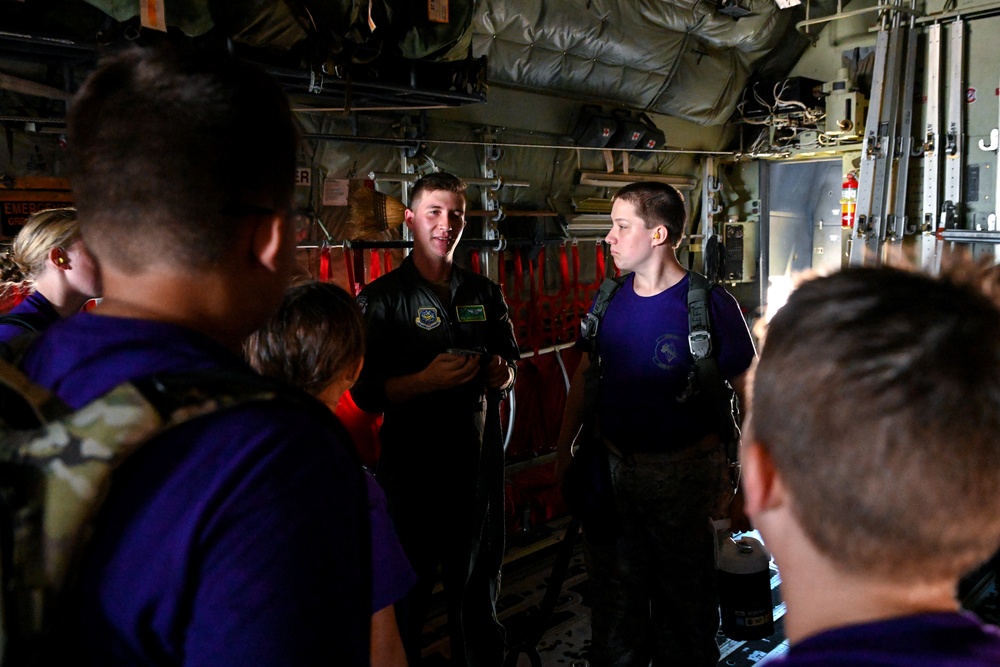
(428, 318)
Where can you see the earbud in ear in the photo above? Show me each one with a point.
(656, 235)
(60, 260)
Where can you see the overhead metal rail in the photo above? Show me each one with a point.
(403, 84)
(888, 7)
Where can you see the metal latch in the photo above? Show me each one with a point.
(700, 343)
(588, 326)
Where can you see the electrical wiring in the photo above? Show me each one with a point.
(785, 120)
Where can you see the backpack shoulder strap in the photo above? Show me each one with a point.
(18, 321)
(78, 452)
(56, 473)
(24, 404)
(591, 322)
(589, 326)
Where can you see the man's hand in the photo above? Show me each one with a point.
(499, 374)
(449, 370)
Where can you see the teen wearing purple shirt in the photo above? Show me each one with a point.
(653, 587)
(239, 538)
(316, 341)
(871, 463)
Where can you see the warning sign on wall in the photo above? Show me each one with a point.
(18, 203)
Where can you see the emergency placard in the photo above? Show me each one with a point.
(17, 205)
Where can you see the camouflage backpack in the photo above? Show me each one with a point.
(56, 466)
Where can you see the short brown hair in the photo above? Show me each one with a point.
(171, 149)
(877, 395)
(316, 336)
(439, 180)
(656, 204)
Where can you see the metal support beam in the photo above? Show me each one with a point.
(866, 237)
(881, 221)
(954, 159)
(928, 246)
(710, 205)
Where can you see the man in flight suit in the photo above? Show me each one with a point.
(439, 338)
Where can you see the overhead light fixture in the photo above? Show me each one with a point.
(787, 4)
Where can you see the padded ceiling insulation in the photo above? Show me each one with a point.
(680, 58)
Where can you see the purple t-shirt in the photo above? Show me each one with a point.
(392, 574)
(927, 640)
(36, 310)
(235, 539)
(643, 343)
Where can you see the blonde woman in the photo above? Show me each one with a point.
(48, 257)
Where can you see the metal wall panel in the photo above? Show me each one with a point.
(802, 217)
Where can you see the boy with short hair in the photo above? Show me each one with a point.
(872, 461)
(241, 537)
(653, 588)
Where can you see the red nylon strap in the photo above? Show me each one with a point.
(543, 304)
(564, 269)
(474, 260)
(351, 285)
(359, 270)
(577, 300)
(564, 297)
(374, 265)
(518, 274)
(324, 264)
(387, 261)
(502, 273)
(539, 295)
(520, 313)
(535, 306)
(555, 300)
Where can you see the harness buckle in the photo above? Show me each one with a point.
(700, 343)
(588, 326)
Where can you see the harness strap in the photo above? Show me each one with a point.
(699, 323)
(19, 321)
(591, 322)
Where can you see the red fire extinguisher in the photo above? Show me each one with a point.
(848, 200)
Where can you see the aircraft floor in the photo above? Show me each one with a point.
(566, 640)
